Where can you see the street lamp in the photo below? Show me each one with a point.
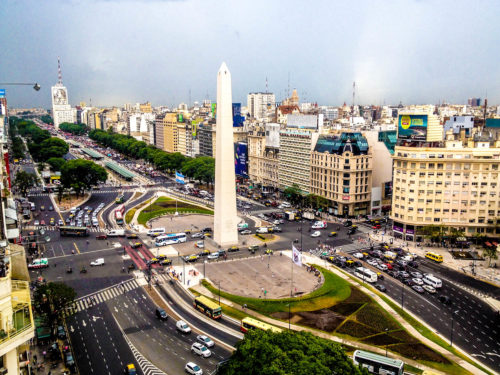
(451, 333)
(387, 342)
(219, 293)
(289, 303)
(402, 296)
(36, 86)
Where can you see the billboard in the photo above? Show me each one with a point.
(2, 93)
(214, 109)
(238, 119)
(240, 159)
(412, 127)
(179, 178)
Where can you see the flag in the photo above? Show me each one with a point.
(296, 256)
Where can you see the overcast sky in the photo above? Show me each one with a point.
(127, 51)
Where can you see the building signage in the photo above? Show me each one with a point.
(346, 197)
(2, 93)
(412, 127)
(240, 159)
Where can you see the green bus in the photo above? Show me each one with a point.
(68, 231)
(120, 199)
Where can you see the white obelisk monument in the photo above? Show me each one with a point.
(225, 216)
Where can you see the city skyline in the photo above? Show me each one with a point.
(114, 52)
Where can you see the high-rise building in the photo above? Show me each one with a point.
(260, 105)
(341, 172)
(61, 110)
(474, 102)
(263, 155)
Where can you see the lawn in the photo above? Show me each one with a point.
(333, 290)
(130, 215)
(165, 205)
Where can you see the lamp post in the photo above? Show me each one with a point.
(451, 333)
(35, 85)
(289, 303)
(219, 293)
(204, 269)
(403, 296)
(386, 335)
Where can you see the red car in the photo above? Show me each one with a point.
(376, 226)
(389, 266)
(42, 222)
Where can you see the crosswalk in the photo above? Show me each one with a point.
(101, 296)
(52, 228)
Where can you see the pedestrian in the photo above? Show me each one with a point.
(34, 357)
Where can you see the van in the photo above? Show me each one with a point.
(390, 255)
(182, 326)
(285, 205)
(435, 257)
(432, 281)
(95, 222)
(116, 233)
(261, 230)
(32, 206)
(242, 226)
(156, 232)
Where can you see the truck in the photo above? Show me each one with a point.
(308, 215)
(116, 233)
(290, 215)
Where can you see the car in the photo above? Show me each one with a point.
(98, 262)
(191, 258)
(393, 273)
(130, 369)
(418, 281)
(193, 369)
(68, 359)
(276, 229)
(182, 326)
(351, 230)
(68, 220)
(135, 245)
(42, 208)
(389, 266)
(61, 333)
(197, 235)
(101, 237)
(213, 256)
(205, 340)
(445, 299)
(199, 244)
(316, 233)
(232, 249)
(404, 274)
(382, 267)
(166, 262)
(358, 255)
(200, 349)
(204, 253)
(348, 223)
(253, 248)
(52, 221)
(246, 232)
(408, 282)
(417, 288)
(413, 264)
(372, 262)
(381, 287)
(269, 251)
(332, 234)
(161, 314)
(416, 274)
(131, 235)
(376, 226)
(36, 223)
(207, 230)
(60, 222)
(429, 288)
(51, 208)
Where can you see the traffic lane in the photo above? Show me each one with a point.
(94, 201)
(171, 349)
(461, 278)
(107, 214)
(97, 342)
(428, 307)
(194, 316)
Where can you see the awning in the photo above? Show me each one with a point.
(12, 233)
(488, 244)
(495, 243)
(11, 214)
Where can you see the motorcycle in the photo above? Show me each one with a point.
(69, 270)
(83, 270)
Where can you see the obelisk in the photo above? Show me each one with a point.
(225, 216)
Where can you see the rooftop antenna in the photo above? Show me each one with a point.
(59, 73)
(353, 93)
(267, 88)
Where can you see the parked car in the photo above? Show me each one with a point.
(233, 249)
(61, 333)
(246, 232)
(213, 256)
(36, 223)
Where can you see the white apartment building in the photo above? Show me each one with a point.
(260, 105)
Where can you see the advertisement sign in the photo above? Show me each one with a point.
(179, 178)
(214, 110)
(180, 117)
(238, 119)
(412, 127)
(240, 159)
(2, 93)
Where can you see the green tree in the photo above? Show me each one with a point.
(56, 163)
(490, 252)
(77, 129)
(294, 194)
(82, 175)
(53, 148)
(434, 233)
(47, 119)
(50, 299)
(288, 352)
(24, 181)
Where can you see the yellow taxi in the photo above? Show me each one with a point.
(332, 234)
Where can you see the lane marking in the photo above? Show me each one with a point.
(76, 247)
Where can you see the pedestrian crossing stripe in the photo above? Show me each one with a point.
(104, 295)
(52, 228)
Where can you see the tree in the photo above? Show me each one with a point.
(294, 194)
(47, 119)
(25, 181)
(301, 353)
(490, 252)
(56, 163)
(50, 299)
(53, 148)
(433, 232)
(77, 129)
(82, 175)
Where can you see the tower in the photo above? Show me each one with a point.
(61, 110)
(225, 217)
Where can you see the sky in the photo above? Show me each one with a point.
(167, 52)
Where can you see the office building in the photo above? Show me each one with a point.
(263, 156)
(341, 171)
(260, 105)
(61, 110)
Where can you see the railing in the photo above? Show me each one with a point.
(22, 318)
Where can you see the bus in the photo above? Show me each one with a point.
(433, 256)
(248, 323)
(68, 231)
(366, 274)
(120, 199)
(170, 239)
(378, 364)
(119, 212)
(208, 307)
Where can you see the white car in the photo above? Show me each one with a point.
(200, 349)
(60, 222)
(98, 262)
(429, 288)
(382, 267)
(182, 326)
(213, 256)
(205, 340)
(417, 281)
(193, 368)
(316, 233)
(372, 262)
(358, 255)
(36, 223)
(200, 244)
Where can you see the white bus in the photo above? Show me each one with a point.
(432, 281)
(366, 274)
(156, 232)
(378, 364)
(170, 239)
